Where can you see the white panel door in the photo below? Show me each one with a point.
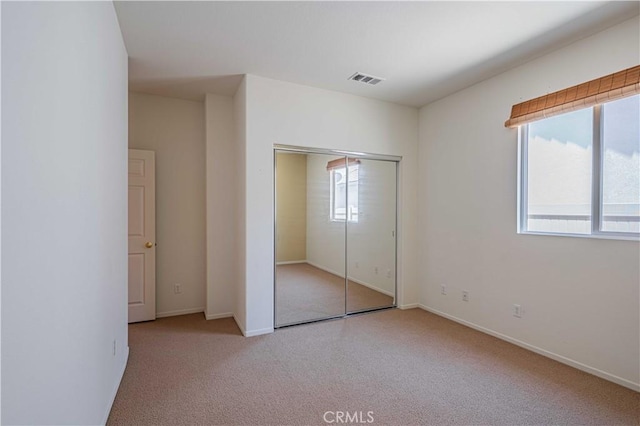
(142, 236)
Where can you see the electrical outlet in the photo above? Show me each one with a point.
(443, 290)
(465, 296)
(375, 270)
(177, 288)
(114, 347)
(388, 273)
(517, 311)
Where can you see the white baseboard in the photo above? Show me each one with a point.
(239, 326)
(568, 361)
(218, 316)
(315, 265)
(114, 392)
(372, 287)
(409, 306)
(179, 312)
(259, 332)
(252, 333)
(291, 262)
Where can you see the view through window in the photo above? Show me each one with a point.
(581, 171)
(341, 208)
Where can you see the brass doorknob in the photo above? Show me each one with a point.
(148, 244)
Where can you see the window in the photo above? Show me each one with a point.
(621, 166)
(580, 172)
(344, 205)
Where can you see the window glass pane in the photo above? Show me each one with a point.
(621, 165)
(559, 159)
(340, 210)
(339, 194)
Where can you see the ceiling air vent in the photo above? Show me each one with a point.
(367, 79)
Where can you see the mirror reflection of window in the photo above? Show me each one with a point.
(341, 208)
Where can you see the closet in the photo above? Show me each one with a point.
(335, 233)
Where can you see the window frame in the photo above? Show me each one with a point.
(348, 216)
(596, 186)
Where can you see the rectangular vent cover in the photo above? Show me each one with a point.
(365, 78)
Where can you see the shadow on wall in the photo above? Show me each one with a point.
(193, 88)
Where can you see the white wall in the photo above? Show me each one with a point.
(580, 296)
(175, 130)
(240, 136)
(221, 206)
(370, 242)
(64, 212)
(291, 114)
(325, 238)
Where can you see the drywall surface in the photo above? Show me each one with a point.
(326, 238)
(64, 212)
(240, 115)
(580, 296)
(221, 206)
(291, 114)
(291, 207)
(174, 129)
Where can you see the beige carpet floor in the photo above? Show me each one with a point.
(304, 292)
(406, 367)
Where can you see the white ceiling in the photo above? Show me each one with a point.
(425, 50)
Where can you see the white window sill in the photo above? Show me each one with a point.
(600, 236)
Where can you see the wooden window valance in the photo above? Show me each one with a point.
(608, 88)
(339, 163)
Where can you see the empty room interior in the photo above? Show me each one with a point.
(305, 213)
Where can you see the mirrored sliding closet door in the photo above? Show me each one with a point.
(310, 247)
(335, 235)
(371, 236)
